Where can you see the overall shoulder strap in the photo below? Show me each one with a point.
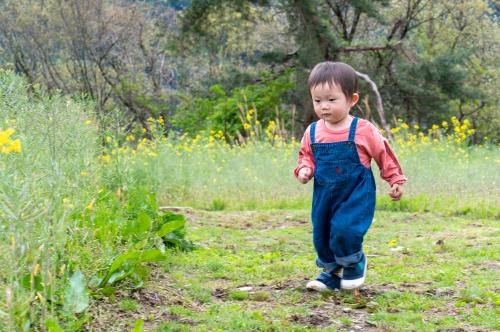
(313, 132)
(352, 130)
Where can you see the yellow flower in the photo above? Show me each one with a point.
(87, 122)
(404, 126)
(246, 126)
(10, 131)
(392, 243)
(395, 130)
(435, 127)
(5, 136)
(109, 139)
(83, 173)
(444, 124)
(105, 158)
(416, 126)
(15, 145)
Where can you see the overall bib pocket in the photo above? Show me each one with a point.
(332, 173)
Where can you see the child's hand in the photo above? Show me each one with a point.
(304, 175)
(396, 192)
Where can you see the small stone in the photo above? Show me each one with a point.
(245, 289)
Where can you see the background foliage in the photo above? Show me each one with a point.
(431, 60)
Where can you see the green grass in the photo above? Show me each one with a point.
(426, 272)
(448, 178)
(65, 209)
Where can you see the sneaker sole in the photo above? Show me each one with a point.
(355, 283)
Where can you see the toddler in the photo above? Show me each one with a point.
(337, 151)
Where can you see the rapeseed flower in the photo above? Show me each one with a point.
(7, 145)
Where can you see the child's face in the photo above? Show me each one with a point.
(331, 104)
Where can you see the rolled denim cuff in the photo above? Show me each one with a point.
(327, 266)
(350, 260)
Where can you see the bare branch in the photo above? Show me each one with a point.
(348, 49)
(378, 98)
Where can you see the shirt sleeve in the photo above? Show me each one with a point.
(379, 149)
(306, 158)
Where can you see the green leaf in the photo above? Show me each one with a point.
(119, 275)
(139, 226)
(129, 258)
(127, 264)
(172, 222)
(76, 299)
(52, 325)
(217, 89)
(152, 255)
(139, 276)
(177, 240)
(34, 284)
(122, 259)
(138, 326)
(108, 291)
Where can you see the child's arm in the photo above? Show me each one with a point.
(390, 169)
(305, 164)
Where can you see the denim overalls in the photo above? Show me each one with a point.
(343, 201)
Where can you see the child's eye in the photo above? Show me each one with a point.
(316, 100)
(331, 99)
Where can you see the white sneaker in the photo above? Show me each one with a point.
(317, 286)
(354, 277)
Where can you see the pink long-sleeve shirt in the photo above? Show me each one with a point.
(369, 142)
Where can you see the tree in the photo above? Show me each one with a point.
(384, 39)
(106, 50)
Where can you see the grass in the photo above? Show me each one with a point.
(426, 272)
(80, 202)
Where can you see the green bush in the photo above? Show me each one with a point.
(220, 111)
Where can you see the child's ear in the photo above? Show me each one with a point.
(354, 99)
